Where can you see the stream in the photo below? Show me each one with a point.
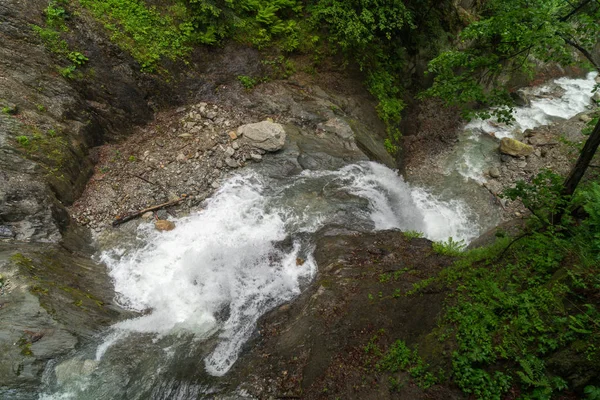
(200, 289)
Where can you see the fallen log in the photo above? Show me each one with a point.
(122, 219)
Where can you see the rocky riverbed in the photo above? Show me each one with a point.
(77, 153)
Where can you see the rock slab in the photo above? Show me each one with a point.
(265, 135)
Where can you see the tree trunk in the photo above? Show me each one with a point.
(582, 164)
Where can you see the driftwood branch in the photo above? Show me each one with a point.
(122, 219)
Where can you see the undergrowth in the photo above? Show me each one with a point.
(524, 313)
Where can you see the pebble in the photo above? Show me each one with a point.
(256, 157)
(494, 172)
(148, 215)
(181, 157)
(229, 151)
(185, 135)
(215, 185)
(233, 135)
(235, 145)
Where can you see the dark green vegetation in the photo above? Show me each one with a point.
(379, 38)
(523, 315)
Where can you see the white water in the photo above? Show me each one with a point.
(545, 108)
(222, 268)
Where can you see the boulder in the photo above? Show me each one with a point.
(265, 135)
(515, 148)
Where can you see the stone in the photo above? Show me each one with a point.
(265, 135)
(180, 110)
(6, 231)
(164, 225)
(235, 145)
(148, 216)
(215, 185)
(504, 158)
(185, 135)
(231, 162)
(543, 140)
(337, 126)
(515, 148)
(585, 118)
(256, 157)
(229, 151)
(181, 157)
(494, 172)
(233, 135)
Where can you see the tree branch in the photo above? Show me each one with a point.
(583, 51)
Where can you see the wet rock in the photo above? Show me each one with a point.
(6, 232)
(265, 135)
(515, 148)
(521, 98)
(585, 118)
(337, 126)
(164, 225)
(256, 157)
(494, 172)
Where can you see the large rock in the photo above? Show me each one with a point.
(515, 148)
(265, 135)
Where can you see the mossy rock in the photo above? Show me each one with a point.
(514, 148)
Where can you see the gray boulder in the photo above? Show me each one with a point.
(265, 135)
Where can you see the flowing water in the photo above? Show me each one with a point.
(557, 100)
(201, 288)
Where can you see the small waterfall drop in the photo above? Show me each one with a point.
(248, 251)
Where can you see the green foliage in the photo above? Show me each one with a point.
(23, 140)
(450, 247)
(400, 357)
(542, 196)
(508, 314)
(590, 200)
(247, 81)
(507, 37)
(52, 40)
(592, 392)
(56, 14)
(146, 33)
(589, 127)
(412, 234)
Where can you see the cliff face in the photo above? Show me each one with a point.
(49, 122)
